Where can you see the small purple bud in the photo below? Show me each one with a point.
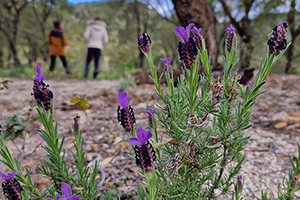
(144, 42)
(277, 43)
(76, 125)
(151, 119)
(231, 35)
(167, 63)
(11, 187)
(239, 182)
(250, 84)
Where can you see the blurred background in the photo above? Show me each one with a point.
(25, 25)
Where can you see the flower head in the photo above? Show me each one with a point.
(66, 193)
(10, 186)
(151, 119)
(277, 43)
(144, 42)
(125, 115)
(167, 63)
(145, 154)
(39, 76)
(231, 35)
(41, 91)
(250, 84)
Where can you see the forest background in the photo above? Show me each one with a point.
(25, 25)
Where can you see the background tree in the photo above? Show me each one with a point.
(10, 13)
(200, 13)
(295, 31)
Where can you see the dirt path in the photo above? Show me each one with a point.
(267, 152)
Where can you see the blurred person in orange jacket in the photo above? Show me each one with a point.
(57, 41)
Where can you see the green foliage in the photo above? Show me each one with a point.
(82, 102)
(14, 127)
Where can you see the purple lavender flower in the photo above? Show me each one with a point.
(277, 43)
(167, 63)
(125, 114)
(145, 154)
(187, 49)
(41, 91)
(144, 42)
(66, 193)
(239, 182)
(231, 34)
(151, 119)
(76, 125)
(10, 186)
(197, 37)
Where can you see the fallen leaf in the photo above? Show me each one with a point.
(280, 125)
(106, 161)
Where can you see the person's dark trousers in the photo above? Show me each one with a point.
(64, 62)
(92, 53)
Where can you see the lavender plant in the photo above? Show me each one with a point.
(204, 118)
(82, 182)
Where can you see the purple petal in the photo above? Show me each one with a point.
(150, 111)
(39, 76)
(188, 28)
(140, 135)
(66, 189)
(196, 31)
(134, 141)
(166, 61)
(75, 197)
(230, 29)
(123, 99)
(9, 176)
(181, 32)
(148, 135)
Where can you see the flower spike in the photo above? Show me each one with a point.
(10, 186)
(144, 42)
(231, 35)
(41, 91)
(125, 115)
(187, 49)
(151, 119)
(277, 43)
(167, 63)
(145, 154)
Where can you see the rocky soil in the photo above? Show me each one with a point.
(274, 135)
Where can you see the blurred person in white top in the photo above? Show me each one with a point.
(96, 37)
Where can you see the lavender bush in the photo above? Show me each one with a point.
(204, 118)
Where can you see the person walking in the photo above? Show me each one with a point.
(96, 37)
(57, 41)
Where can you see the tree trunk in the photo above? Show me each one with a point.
(294, 33)
(200, 13)
(246, 52)
(290, 56)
